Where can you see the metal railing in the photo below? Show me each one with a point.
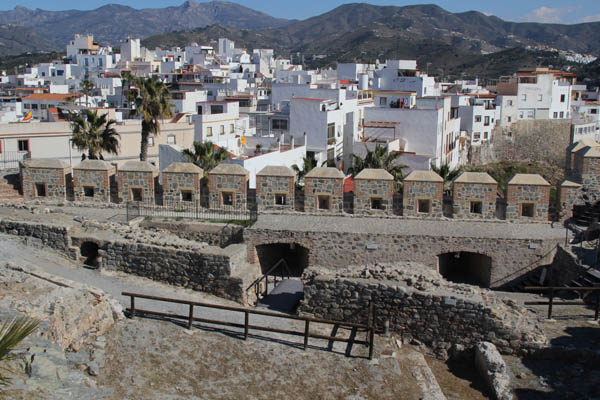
(369, 328)
(256, 285)
(11, 159)
(192, 210)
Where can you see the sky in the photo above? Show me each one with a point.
(554, 11)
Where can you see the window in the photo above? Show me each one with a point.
(527, 210)
(88, 191)
(486, 122)
(27, 106)
(43, 106)
(523, 97)
(383, 101)
(478, 118)
(186, 195)
(540, 97)
(508, 119)
(562, 98)
(323, 202)
(209, 131)
(423, 205)
(40, 190)
(216, 109)
(561, 115)
(227, 198)
(222, 129)
(23, 145)
(137, 194)
(281, 124)
(171, 139)
(280, 199)
(485, 135)
(476, 136)
(199, 109)
(231, 128)
(476, 207)
(555, 115)
(150, 141)
(376, 203)
(34, 106)
(331, 131)
(509, 102)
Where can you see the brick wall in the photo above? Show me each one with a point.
(54, 181)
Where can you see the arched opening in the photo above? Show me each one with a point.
(294, 255)
(466, 267)
(89, 251)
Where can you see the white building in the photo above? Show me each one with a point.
(478, 116)
(544, 94)
(403, 75)
(220, 122)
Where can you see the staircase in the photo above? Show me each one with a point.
(10, 184)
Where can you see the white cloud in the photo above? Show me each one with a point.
(548, 15)
(591, 18)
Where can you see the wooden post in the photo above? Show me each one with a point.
(132, 307)
(246, 315)
(191, 317)
(550, 303)
(371, 328)
(306, 325)
(597, 305)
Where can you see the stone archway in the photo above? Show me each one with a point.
(466, 267)
(89, 254)
(295, 256)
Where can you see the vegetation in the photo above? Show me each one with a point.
(308, 164)
(95, 134)
(446, 173)
(380, 158)
(86, 87)
(152, 104)
(205, 156)
(13, 332)
(18, 63)
(503, 171)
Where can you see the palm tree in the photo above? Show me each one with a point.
(86, 87)
(308, 164)
(205, 156)
(12, 332)
(447, 174)
(152, 104)
(92, 132)
(380, 158)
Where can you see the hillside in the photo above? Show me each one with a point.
(17, 39)
(113, 22)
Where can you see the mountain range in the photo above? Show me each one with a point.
(351, 32)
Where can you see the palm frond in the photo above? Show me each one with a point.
(13, 332)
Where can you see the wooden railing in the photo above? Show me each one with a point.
(550, 303)
(369, 328)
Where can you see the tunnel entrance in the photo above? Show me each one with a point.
(465, 267)
(89, 252)
(294, 255)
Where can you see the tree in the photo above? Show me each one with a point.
(92, 132)
(86, 87)
(205, 156)
(380, 158)
(13, 332)
(152, 104)
(447, 174)
(308, 164)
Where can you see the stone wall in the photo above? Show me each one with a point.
(367, 189)
(97, 180)
(315, 187)
(510, 258)
(53, 236)
(415, 191)
(176, 182)
(422, 306)
(516, 195)
(564, 268)
(569, 193)
(220, 185)
(128, 180)
(587, 170)
(54, 180)
(212, 233)
(466, 193)
(267, 187)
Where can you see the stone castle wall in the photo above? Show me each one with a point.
(465, 193)
(127, 180)
(221, 183)
(426, 308)
(269, 186)
(415, 191)
(367, 189)
(175, 182)
(99, 180)
(516, 195)
(54, 180)
(333, 187)
(587, 170)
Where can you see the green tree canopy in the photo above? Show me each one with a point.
(380, 158)
(205, 156)
(94, 133)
